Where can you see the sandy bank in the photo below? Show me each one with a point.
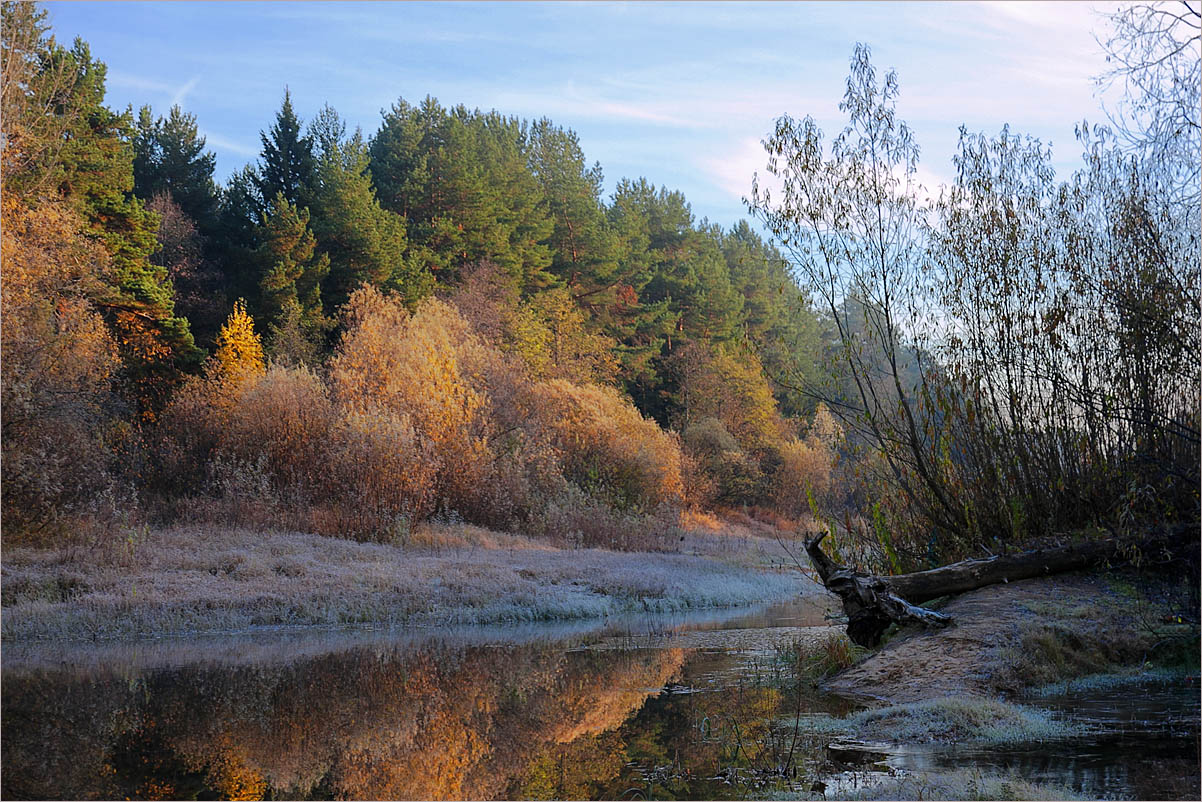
(1009, 637)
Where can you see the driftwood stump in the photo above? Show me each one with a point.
(872, 603)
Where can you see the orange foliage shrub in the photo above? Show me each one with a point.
(731, 388)
(607, 447)
(421, 416)
(808, 464)
(58, 365)
(410, 366)
(734, 476)
(381, 475)
(286, 417)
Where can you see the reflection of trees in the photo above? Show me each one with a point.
(709, 745)
(435, 723)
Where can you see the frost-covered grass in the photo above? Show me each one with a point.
(191, 579)
(1105, 682)
(958, 719)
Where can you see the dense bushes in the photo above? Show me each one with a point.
(607, 447)
(417, 416)
(58, 367)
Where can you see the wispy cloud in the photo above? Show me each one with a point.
(180, 94)
(223, 143)
(124, 80)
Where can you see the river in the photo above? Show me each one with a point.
(639, 707)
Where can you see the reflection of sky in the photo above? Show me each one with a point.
(679, 93)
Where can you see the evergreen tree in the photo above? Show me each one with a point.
(779, 322)
(87, 159)
(170, 157)
(364, 242)
(240, 210)
(642, 326)
(146, 153)
(524, 224)
(459, 180)
(584, 248)
(291, 271)
(287, 158)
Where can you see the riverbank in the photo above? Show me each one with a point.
(1011, 637)
(984, 684)
(204, 579)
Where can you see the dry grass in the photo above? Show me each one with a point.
(190, 579)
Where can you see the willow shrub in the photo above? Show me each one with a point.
(409, 365)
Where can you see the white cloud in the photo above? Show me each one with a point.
(116, 78)
(733, 164)
(180, 94)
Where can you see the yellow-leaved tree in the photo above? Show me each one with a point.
(239, 354)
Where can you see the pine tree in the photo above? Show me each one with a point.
(518, 198)
(240, 210)
(364, 242)
(146, 153)
(170, 157)
(459, 179)
(779, 322)
(76, 148)
(584, 249)
(291, 272)
(287, 158)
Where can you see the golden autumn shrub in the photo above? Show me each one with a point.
(734, 475)
(381, 476)
(409, 365)
(608, 448)
(419, 416)
(285, 417)
(808, 465)
(195, 423)
(58, 366)
(732, 389)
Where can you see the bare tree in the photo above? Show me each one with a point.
(1153, 50)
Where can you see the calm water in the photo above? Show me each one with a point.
(648, 707)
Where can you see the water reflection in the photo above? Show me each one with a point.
(636, 709)
(429, 723)
(475, 714)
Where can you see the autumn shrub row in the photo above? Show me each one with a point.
(414, 416)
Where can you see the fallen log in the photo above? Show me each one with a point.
(872, 602)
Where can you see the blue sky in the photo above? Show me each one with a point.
(681, 93)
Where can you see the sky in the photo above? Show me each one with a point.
(679, 93)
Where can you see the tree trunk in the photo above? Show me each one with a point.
(872, 603)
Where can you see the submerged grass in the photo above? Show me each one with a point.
(812, 660)
(193, 579)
